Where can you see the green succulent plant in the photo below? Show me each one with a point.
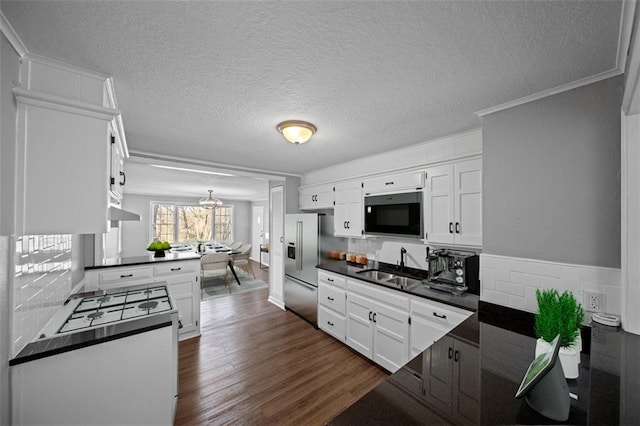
(558, 314)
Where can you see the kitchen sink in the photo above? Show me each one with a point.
(391, 280)
(405, 283)
(375, 274)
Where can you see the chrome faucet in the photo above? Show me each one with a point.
(403, 253)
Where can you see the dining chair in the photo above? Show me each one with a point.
(214, 265)
(235, 245)
(242, 259)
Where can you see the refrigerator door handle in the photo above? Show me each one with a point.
(299, 244)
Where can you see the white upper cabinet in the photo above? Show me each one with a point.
(348, 211)
(62, 150)
(399, 182)
(117, 176)
(316, 197)
(453, 203)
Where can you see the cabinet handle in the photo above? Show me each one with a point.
(345, 224)
(330, 298)
(124, 179)
(437, 315)
(457, 227)
(126, 276)
(388, 183)
(348, 224)
(330, 323)
(282, 239)
(451, 227)
(370, 313)
(176, 269)
(450, 353)
(330, 280)
(374, 317)
(456, 357)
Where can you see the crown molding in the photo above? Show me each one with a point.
(631, 97)
(45, 100)
(550, 92)
(148, 157)
(624, 40)
(12, 36)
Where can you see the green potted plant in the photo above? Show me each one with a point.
(560, 314)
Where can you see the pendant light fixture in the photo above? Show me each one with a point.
(210, 202)
(296, 131)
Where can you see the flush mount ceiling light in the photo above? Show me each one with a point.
(210, 202)
(296, 131)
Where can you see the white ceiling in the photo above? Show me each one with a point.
(210, 80)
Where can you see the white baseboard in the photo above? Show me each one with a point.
(513, 281)
(278, 303)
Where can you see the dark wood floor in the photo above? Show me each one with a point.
(258, 365)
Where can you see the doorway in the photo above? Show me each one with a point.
(257, 232)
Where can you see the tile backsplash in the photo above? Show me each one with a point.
(388, 251)
(43, 281)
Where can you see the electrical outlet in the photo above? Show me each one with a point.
(593, 301)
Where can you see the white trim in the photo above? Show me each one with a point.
(45, 100)
(53, 63)
(278, 303)
(631, 97)
(626, 29)
(12, 36)
(550, 92)
(109, 86)
(148, 157)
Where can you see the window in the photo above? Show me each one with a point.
(179, 223)
(224, 223)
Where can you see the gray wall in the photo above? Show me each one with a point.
(137, 235)
(551, 177)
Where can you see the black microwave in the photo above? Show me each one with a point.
(397, 215)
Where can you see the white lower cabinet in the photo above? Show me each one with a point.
(388, 326)
(430, 320)
(378, 323)
(182, 278)
(451, 379)
(331, 304)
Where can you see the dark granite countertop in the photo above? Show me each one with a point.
(143, 260)
(465, 301)
(494, 348)
(58, 344)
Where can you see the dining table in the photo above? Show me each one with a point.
(219, 248)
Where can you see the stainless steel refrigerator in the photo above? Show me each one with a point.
(308, 239)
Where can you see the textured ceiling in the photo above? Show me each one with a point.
(210, 80)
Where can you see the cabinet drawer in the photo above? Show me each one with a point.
(438, 313)
(123, 276)
(390, 297)
(172, 268)
(332, 279)
(411, 181)
(332, 298)
(332, 323)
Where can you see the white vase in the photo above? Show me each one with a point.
(569, 357)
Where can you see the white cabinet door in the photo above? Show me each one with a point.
(453, 203)
(185, 292)
(360, 324)
(439, 204)
(468, 200)
(391, 336)
(316, 197)
(117, 178)
(399, 182)
(348, 211)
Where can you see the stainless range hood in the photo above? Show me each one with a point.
(115, 215)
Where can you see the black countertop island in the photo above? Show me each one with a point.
(471, 375)
(142, 260)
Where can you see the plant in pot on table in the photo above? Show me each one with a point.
(560, 314)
